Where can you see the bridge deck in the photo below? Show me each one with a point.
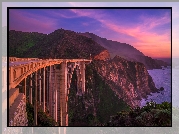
(21, 62)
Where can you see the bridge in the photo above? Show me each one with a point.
(45, 83)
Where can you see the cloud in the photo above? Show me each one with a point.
(143, 33)
(64, 13)
(91, 13)
(154, 21)
(85, 24)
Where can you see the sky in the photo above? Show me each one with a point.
(175, 36)
(148, 30)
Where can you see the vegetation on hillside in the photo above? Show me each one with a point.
(43, 119)
(96, 106)
(100, 102)
(58, 44)
(150, 115)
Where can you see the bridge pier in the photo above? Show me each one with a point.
(44, 89)
(82, 70)
(63, 94)
(30, 91)
(47, 89)
(35, 103)
(79, 82)
(55, 94)
(25, 87)
(40, 87)
(52, 91)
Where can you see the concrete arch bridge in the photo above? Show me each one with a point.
(43, 82)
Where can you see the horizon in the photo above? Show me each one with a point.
(149, 30)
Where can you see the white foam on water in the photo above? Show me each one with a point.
(161, 78)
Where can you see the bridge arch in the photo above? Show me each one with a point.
(18, 72)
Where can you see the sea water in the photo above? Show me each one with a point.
(161, 78)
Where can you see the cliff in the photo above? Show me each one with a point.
(96, 106)
(104, 55)
(110, 83)
(130, 80)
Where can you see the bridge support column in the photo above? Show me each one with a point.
(55, 94)
(35, 107)
(51, 94)
(82, 69)
(25, 87)
(44, 89)
(30, 91)
(40, 83)
(47, 94)
(63, 94)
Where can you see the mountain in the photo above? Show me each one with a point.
(115, 48)
(58, 44)
(126, 51)
(124, 77)
(167, 60)
(125, 82)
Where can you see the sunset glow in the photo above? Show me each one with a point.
(148, 30)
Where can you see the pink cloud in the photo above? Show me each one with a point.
(161, 44)
(143, 33)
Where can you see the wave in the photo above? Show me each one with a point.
(161, 78)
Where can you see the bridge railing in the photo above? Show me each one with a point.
(11, 59)
(19, 72)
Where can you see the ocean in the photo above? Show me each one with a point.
(161, 78)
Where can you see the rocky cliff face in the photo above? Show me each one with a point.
(96, 106)
(130, 80)
(104, 55)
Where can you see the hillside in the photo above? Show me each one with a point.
(126, 51)
(129, 80)
(115, 48)
(113, 84)
(58, 44)
(96, 106)
(150, 115)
